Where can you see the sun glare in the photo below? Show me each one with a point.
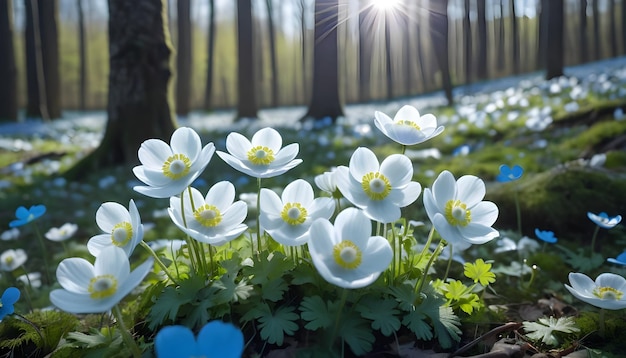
(385, 4)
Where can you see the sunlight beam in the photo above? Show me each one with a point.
(384, 5)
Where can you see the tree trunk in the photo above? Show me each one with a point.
(247, 106)
(613, 27)
(183, 57)
(582, 34)
(8, 69)
(365, 53)
(388, 57)
(515, 44)
(139, 80)
(325, 100)
(623, 17)
(597, 48)
(467, 41)
(210, 56)
(420, 53)
(542, 34)
(501, 49)
(555, 38)
(273, 60)
(439, 34)
(42, 59)
(305, 53)
(482, 39)
(82, 54)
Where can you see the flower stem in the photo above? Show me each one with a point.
(518, 213)
(422, 280)
(258, 215)
(342, 303)
(128, 339)
(593, 239)
(602, 326)
(449, 263)
(158, 261)
(44, 253)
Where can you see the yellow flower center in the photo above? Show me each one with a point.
(376, 185)
(457, 213)
(176, 166)
(608, 293)
(260, 155)
(408, 123)
(121, 234)
(347, 255)
(9, 260)
(293, 214)
(102, 286)
(208, 215)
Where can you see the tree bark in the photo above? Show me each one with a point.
(273, 60)
(82, 53)
(139, 105)
(481, 71)
(365, 53)
(467, 41)
(325, 100)
(208, 92)
(388, 57)
(582, 34)
(554, 38)
(8, 69)
(613, 27)
(439, 34)
(42, 59)
(597, 48)
(542, 34)
(515, 44)
(183, 57)
(247, 106)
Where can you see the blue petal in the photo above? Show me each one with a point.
(37, 210)
(10, 296)
(16, 223)
(547, 236)
(517, 171)
(220, 339)
(175, 342)
(22, 213)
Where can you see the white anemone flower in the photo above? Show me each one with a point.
(213, 219)
(345, 254)
(168, 169)
(288, 218)
(62, 233)
(379, 190)
(96, 288)
(122, 228)
(603, 220)
(407, 127)
(32, 279)
(262, 157)
(12, 259)
(606, 292)
(327, 182)
(457, 211)
(11, 234)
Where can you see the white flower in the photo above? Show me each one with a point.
(327, 182)
(603, 220)
(262, 157)
(407, 127)
(62, 233)
(606, 292)
(96, 288)
(12, 259)
(168, 169)
(11, 234)
(32, 279)
(345, 254)
(379, 190)
(289, 218)
(121, 227)
(213, 219)
(457, 211)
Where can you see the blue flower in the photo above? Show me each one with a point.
(509, 174)
(24, 216)
(9, 297)
(547, 236)
(603, 220)
(619, 260)
(216, 339)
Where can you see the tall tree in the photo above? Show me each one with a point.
(208, 90)
(247, 106)
(42, 59)
(554, 37)
(467, 41)
(542, 33)
(273, 60)
(139, 105)
(623, 21)
(582, 34)
(365, 52)
(325, 100)
(515, 43)
(419, 46)
(304, 46)
(82, 57)
(183, 57)
(597, 45)
(481, 12)
(388, 56)
(613, 27)
(439, 34)
(8, 69)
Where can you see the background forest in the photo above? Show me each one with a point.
(383, 53)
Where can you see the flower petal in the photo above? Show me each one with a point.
(470, 190)
(268, 137)
(219, 339)
(176, 341)
(74, 274)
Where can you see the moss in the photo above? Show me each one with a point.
(596, 136)
(559, 199)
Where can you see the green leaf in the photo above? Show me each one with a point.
(303, 274)
(168, 303)
(446, 326)
(580, 260)
(268, 267)
(544, 330)
(480, 271)
(356, 332)
(314, 310)
(274, 290)
(383, 313)
(275, 325)
(231, 291)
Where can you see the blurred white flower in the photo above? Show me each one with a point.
(32, 279)
(62, 233)
(11, 234)
(408, 127)
(12, 259)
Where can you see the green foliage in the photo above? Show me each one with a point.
(582, 260)
(480, 272)
(318, 313)
(383, 312)
(274, 324)
(43, 329)
(547, 329)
